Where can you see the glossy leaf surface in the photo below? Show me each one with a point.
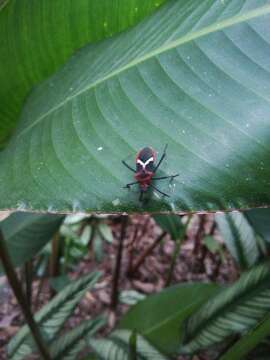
(195, 75)
(36, 37)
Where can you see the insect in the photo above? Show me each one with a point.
(146, 169)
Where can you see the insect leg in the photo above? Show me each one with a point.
(161, 192)
(162, 158)
(165, 177)
(129, 167)
(129, 185)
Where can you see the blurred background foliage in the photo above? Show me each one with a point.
(182, 318)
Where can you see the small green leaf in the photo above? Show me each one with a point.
(98, 247)
(239, 238)
(58, 283)
(51, 317)
(69, 232)
(106, 232)
(214, 246)
(26, 234)
(86, 235)
(75, 218)
(131, 297)
(69, 345)
(171, 224)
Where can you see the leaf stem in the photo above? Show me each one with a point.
(18, 292)
(147, 252)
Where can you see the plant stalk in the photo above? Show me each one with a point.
(54, 265)
(131, 245)
(114, 297)
(176, 252)
(173, 262)
(130, 250)
(18, 292)
(28, 275)
(147, 251)
(54, 260)
(199, 234)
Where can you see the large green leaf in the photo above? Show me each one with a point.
(166, 313)
(36, 37)
(195, 75)
(239, 237)
(26, 234)
(235, 310)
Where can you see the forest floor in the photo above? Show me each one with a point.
(195, 263)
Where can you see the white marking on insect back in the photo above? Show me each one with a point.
(149, 160)
(146, 163)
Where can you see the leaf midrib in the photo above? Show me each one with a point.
(217, 26)
(171, 317)
(253, 290)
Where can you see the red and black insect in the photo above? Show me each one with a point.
(146, 169)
